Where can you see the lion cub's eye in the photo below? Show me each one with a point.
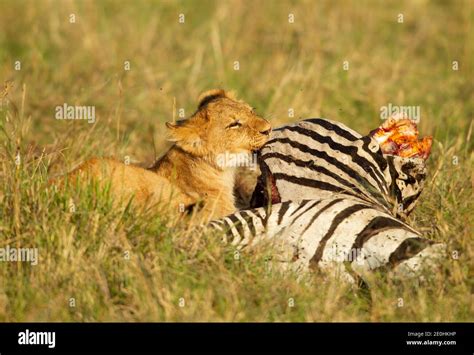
(235, 124)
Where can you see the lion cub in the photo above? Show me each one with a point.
(191, 171)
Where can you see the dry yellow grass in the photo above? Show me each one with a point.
(97, 263)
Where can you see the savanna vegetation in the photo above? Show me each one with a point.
(142, 63)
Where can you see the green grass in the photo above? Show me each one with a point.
(125, 265)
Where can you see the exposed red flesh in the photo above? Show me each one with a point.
(275, 194)
(400, 137)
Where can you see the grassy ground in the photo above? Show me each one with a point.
(97, 263)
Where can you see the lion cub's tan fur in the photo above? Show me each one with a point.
(189, 172)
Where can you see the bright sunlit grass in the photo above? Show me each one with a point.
(99, 263)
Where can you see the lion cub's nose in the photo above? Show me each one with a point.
(266, 128)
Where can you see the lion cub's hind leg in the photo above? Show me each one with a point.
(127, 182)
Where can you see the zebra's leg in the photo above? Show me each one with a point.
(399, 254)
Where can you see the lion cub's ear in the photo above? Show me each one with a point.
(186, 136)
(212, 95)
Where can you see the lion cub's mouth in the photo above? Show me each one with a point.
(260, 142)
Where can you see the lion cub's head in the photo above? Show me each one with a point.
(221, 124)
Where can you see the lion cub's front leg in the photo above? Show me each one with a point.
(215, 208)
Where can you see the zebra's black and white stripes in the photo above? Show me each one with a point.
(329, 200)
(330, 235)
(317, 158)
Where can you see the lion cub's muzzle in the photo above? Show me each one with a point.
(264, 134)
(265, 127)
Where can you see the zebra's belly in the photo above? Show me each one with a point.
(338, 236)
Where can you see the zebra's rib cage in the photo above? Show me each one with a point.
(318, 158)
